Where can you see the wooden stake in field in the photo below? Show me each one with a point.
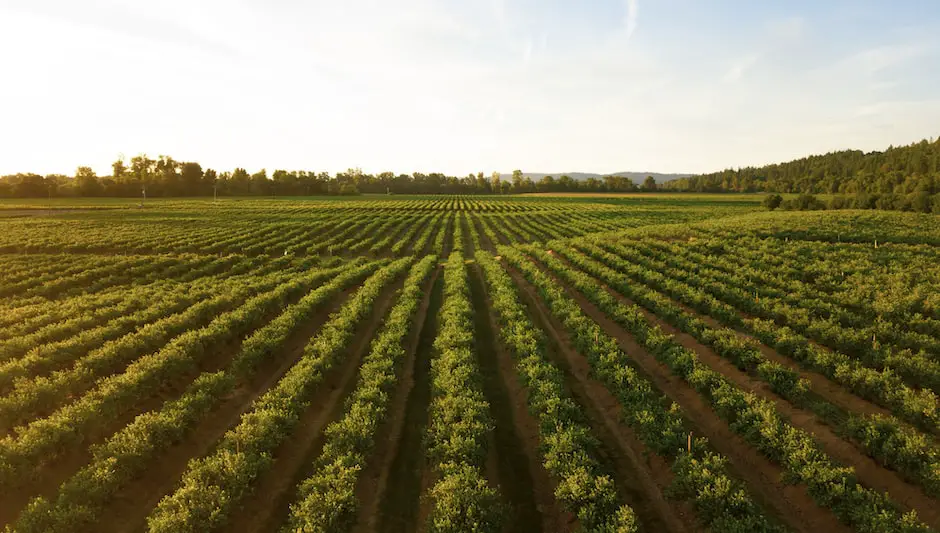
(689, 445)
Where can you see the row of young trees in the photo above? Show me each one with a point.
(919, 202)
(165, 176)
(898, 170)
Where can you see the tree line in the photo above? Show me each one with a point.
(166, 177)
(896, 171)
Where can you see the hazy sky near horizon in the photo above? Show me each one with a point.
(457, 87)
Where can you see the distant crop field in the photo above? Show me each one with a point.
(527, 363)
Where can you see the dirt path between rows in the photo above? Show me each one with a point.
(867, 470)
(514, 447)
(58, 469)
(400, 485)
(374, 479)
(130, 507)
(791, 504)
(640, 476)
(822, 385)
(268, 505)
(485, 240)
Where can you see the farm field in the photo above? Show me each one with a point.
(650, 363)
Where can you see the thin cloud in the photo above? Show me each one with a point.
(633, 12)
(740, 67)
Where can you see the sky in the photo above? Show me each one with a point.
(461, 86)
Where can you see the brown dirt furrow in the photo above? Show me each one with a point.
(403, 479)
(499, 235)
(485, 240)
(399, 231)
(468, 248)
(373, 481)
(57, 470)
(791, 504)
(868, 471)
(134, 503)
(268, 505)
(821, 385)
(641, 476)
(448, 237)
(409, 246)
(514, 458)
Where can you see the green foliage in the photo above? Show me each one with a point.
(459, 418)
(568, 448)
(657, 421)
(212, 486)
(901, 170)
(326, 499)
(757, 421)
(123, 456)
(772, 201)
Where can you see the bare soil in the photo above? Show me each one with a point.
(374, 480)
(791, 504)
(268, 506)
(403, 480)
(868, 471)
(640, 478)
(485, 241)
(514, 450)
(130, 507)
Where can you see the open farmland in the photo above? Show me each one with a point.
(467, 363)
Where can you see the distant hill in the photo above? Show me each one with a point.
(914, 168)
(636, 177)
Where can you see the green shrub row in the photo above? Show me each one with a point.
(44, 358)
(327, 498)
(569, 451)
(459, 417)
(425, 236)
(30, 398)
(914, 460)
(133, 449)
(24, 451)
(862, 345)
(756, 420)
(700, 476)
(839, 328)
(918, 407)
(212, 486)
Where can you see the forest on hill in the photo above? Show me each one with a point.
(898, 170)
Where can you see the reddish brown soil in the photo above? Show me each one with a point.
(131, 506)
(640, 477)
(267, 507)
(465, 229)
(868, 471)
(792, 505)
(400, 506)
(56, 469)
(821, 385)
(374, 480)
(514, 448)
(485, 241)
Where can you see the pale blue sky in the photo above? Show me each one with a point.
(458, 87)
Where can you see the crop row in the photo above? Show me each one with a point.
(326, 499)
(134, 448)
(700, 475)
(212, 486)
(42, 440)
(459, 417)
(567, 446)
(919, 407)
(899, 447)
(831, 485)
